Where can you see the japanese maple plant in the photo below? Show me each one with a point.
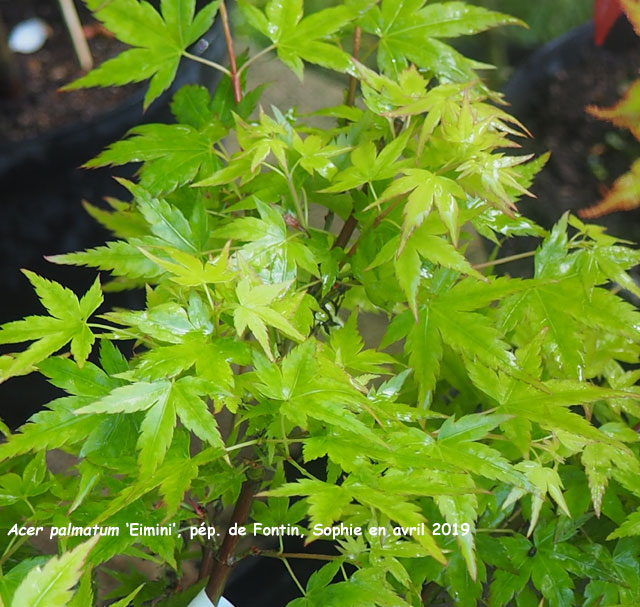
(497, 416)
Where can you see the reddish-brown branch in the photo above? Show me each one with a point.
(347, 231)
(235, 77)
(207, 563)
(224, 559)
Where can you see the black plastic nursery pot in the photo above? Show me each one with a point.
(549, 93)
(41, 190)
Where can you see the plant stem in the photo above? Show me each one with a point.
(350, 225)
(235, 76)
(497, 262)
(294, 578)
(378, 220)
(296, 202)
(224, 558)
(257, 56)
(77, 35)
(296, 555)
(347, 231)
(213, 64)
(206, 564)
(353, 83)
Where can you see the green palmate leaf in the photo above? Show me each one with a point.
(426, 189)
(310, 386)
(297, 38)
(326, 502)
(348, 347)
(172, 479)
(210, 358)
(253, 311)
(90, 475)
(128, 399)
(168, 322)
(271, 247)
(88, 381)
(424, 347)
(190, 271)
(597, 466)
(122, 220)
(162, 401)
(52, 585)
(119, 257)
(409, 32)
(192, 105)
(193, 412)
(84, 593)
(545, 480)
(458, 509)
(67, 323)
(166, 221)
(159, 41)
(367, 165)
(175, 154)
(553, 582)
(631, 526)
(50, 429)
(126, 601)
(316, 155)
(424, 245)
(156, 432)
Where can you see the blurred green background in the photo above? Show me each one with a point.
(547, 19)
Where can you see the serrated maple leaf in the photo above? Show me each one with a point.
(159, 40)
(67, 323)
(162, 401)
(623, 196)
(625, 113)
(297, 38)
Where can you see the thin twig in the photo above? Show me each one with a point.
(353, 84)
(255, 57)
(213, 64)
(294, 577)
(77, 35)
(296, 555)
(378, 220)
(497, 262)
(235, 76)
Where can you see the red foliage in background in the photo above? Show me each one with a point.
(605, 14)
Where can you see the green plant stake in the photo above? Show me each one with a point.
(483, 453)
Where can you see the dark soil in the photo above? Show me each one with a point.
(38, 106)
(587, 154)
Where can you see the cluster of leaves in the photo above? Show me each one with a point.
(624, 195)
(507, 404)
